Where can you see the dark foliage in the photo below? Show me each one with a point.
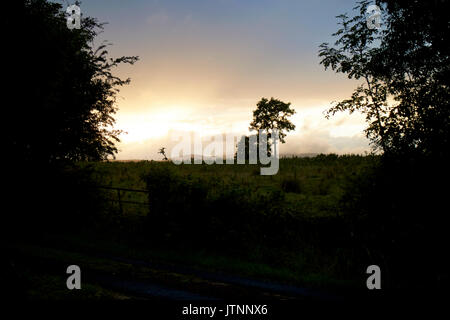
(396, 213)
(59, 107)
(273, 114)
(397, 210)
(291, 184)
(404, 68)
(186, 211)
(62, 89)
(243, 148)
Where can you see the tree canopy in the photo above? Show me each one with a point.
(64, 89)
(273, 114)
(268, 115)
(395, 208)
(405, 71)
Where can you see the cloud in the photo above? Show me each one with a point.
(159, 18)
(323, 142)
(313, 141)
(341, 134)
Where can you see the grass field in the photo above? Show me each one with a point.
(289, 223)
(311, 186)
(287, 228)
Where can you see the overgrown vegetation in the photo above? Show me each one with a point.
(404, 93)
(230, 211)
(326, 217)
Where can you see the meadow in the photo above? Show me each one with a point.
(291, 228)
(310, 186)
(288, 227)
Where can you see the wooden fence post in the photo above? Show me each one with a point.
(120, 202)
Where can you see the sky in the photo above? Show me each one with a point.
(204, 64)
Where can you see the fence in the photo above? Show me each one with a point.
(119, 198)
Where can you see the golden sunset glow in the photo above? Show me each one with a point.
(203, 69)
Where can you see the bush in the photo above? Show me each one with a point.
(54, 199)
(213, 212)
(176, 204)
(394, 211)
(290, 184)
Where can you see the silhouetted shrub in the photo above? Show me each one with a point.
(211, 212)
(55, 199)
(290, 184)
(176, 204)
(395, 214)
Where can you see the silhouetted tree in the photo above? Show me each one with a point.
(404, 68)
(59, 102)
(414, 62)
(162, 151)
(244, 147)
(395, 209)
(272, 114)
(63, 88)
